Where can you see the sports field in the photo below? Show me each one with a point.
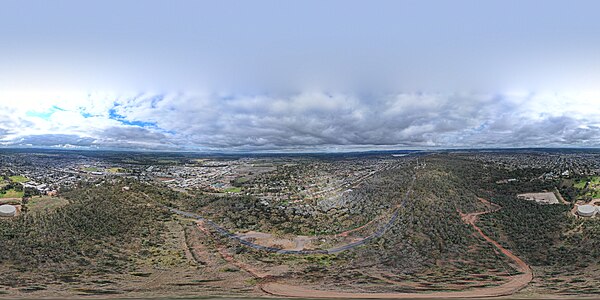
(590, 186)
(18, 178)
(11, 194)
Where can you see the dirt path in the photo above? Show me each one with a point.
(515, 283)
(347, 232)
(229, 258)
(560, 197)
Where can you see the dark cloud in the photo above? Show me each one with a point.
(131, 134)
(56, 140)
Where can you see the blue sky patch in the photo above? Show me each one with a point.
(113, 115)
(44, 114)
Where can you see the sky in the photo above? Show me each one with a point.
(299, 75)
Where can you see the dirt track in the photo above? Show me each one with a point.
(515, 284)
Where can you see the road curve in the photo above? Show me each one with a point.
(515, 284)
(224, 232)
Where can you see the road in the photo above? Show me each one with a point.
(225, 233)
(273, 287)
(516, 282)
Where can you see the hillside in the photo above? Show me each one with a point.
(404, 229)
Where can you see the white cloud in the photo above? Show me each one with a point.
(310, 120)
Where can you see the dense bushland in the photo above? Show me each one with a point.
(99, 231)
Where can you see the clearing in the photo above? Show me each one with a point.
(116, 170)
(91, 169)
(233, 190)
(544, 198)
(590, 186)
(18, 179)
(297, 243)
(11, 194)
(45, 203)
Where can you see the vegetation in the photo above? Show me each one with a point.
(233, 190)
(18, 179)
(99, 232)
(588, 188)
(429, 247)
(559, 246)
(101, 229)
(429, 236)
(243, 212)
(11, 193)
(91, 169)
(44, 204)
(116, 170)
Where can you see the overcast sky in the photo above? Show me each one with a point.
(299, 75)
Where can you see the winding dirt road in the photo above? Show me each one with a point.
(516, 282)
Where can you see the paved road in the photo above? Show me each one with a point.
(224, 232)
(380, 231)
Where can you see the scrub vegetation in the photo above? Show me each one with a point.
(117, 236)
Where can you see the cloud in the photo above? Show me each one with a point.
(55, 140)
(311, 120)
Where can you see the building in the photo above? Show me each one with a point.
(586, 210)
(7, 210)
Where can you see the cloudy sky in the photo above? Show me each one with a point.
(299, 75)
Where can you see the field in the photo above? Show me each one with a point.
(233, 190)
(546, 198)
(18, 178)
(115, 170)
(45, 204)
(589, 187)
(11, 194)
(91, 169)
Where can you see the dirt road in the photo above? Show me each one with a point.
(515, 284)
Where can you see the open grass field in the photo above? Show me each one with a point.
(593, 187)
(116, 170)
(18, 179)
(167, 161)
(91, 169)
(11, 194)
(45, 203)
(592, 179)
(233, 190)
